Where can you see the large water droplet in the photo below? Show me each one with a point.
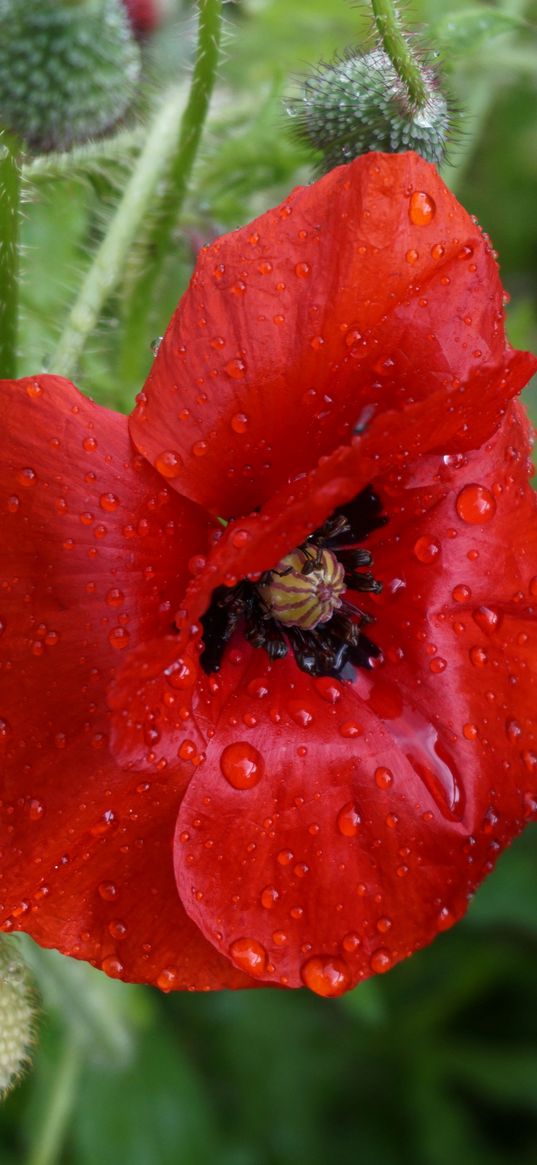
(242, 765)
(326, 976)
(249, 955)
(349, 820)
(475, 505)
(421, 209)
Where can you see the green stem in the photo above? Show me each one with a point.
(10, 195)
(166, 213)
(396, 47)
(49, 1138)
(106, 268)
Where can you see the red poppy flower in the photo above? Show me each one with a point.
(268, 675)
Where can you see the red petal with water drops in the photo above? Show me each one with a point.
(93, 557)
(155, 686)
(369, 289)
(334, 828)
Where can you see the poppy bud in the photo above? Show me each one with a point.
(68, 69)
(17, 1016)
(144, 15)
(360, 103)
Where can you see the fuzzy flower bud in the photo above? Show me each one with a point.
(359, 103)
(17, 1016)
(68, 69)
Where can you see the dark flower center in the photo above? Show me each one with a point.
(302, 604)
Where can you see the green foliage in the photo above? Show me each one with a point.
(471, 28)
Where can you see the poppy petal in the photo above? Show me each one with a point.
(334, 828)
(369, 289)
(154, 688)
(91, 564)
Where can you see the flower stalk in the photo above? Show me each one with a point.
(10, 196)
(395, 45)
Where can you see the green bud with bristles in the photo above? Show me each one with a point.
(360, 103)
(17, 1016)
(68, 70)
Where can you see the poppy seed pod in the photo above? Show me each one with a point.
(359, 103)
(68, 70)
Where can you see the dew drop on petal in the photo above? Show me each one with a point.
(383, 777)
(326, 976)
(269, 897)
(107, 891)
(380, 961)
(167, 978)
(475, 505)
(181, 674)
(168, 463)
(426, 550)
(422, 208)
(242, 765)
(236, 368)
(112, 966)
(302, 270)
(249, 955)
(349, 820)
(118, 638)
(239, 423)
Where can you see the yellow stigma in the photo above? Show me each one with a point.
(305, 588)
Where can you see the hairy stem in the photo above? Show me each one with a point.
(106, 268)
(166, 213)
(396, 47)
(10, 195)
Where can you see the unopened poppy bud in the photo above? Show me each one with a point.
(68, 69)
(144, 15)
(17, 1016)
(360, 103)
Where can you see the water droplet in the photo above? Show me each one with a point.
(461, 593)
(181, 674)
(426, 550)
(109, 502)
(422, 209)
(27, 477)
(199, 448)
(412, 257)
(240, 538)
(383, 777)
(438, 665)
(269, 897)
(117, 929)
(438, 251)
(350, 729)
(380, 961)
(487, 619)
(239, 422)
(475, 505)
(112, 966)
(115, 597)
(36, 810)
(236, 369)
(168, 463)
(108, 891)
(302, 270)
(242, 765)
(326, 976)
(249, 955)
(349, 820)
(168, 978)
(89, 444)
(118, 638)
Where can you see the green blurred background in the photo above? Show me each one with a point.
(437, 1061)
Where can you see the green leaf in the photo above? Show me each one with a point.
(157, 1110)
(462, 32)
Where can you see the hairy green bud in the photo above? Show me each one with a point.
(68, 69)
(17, 1016)
(360, 103)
